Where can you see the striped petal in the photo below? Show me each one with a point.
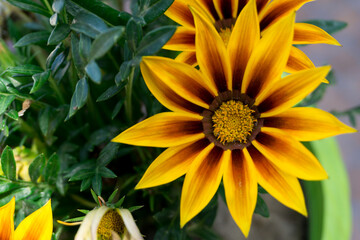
(177, 85)
(7, 220)
(279, 9)
(244, 37)
(261, 4)
(226, 9)
(241, 188)
(269, 58)
(84, 231)
(202, 182)
(188, 58)
(171, 164)
(182, 40)
(305, 33)
(208, 6)
(285, 188)
(290, 90)
(166, 129)
(298, 61)
(288, 154)
(308, 124)
(211, 53)
(180, 13)
(36, 226)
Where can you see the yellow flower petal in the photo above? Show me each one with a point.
(211, 53)
(298, 61)
(285, 188)
(202, 181)
(180, 80)
(7, 220)
(261, 4)
(288, 154)
(305, 33)
(182, 40)
(290, 90)
(226, 9)
(279, 9)
(36, 226)
(269, 58)
(164, 130)
(188, 58)
(241, 188)
(171, 164)
(308, 124)
(180, 13)
(244, 37)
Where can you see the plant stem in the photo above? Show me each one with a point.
(83, 201)
(128, 103)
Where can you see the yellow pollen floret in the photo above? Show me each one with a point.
(233, 122)
(225, 34)
(111, 221)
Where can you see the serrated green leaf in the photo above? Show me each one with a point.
(109, 93)
(13, 114)
(5, 101)
(79, 97)
(88, 24)
(8, 164)
(156, 10)
(330, 26)
(85, 184)
(36, 168)
(104, 42)
(30, 6)
(97, 184)
(59, 33)
(94, 72)
(39, 80)
(261, 207)
(133, 33)
(153, 41)
(106, 173)
(112, 196)
(33, 38)
(52, 169)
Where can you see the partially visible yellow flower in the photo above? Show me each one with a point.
(36, 226)
(106, 223)
(223, 14)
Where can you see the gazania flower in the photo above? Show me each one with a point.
(38, 225)
(106, 223)
(233, 119)
(223, 14)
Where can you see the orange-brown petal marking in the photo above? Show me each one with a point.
(164, 130)
(7, 220)
(284, 187)
(307, 124)
(182, 40)
(240, 185)
(288, 154)
(188, 58)
(171, 164)
(305, 33)
(211, 53)
(180, 13)
(209, 7)
(278, 9)
(298, 61)
(202, 181)
(224, 8)
(261, 4)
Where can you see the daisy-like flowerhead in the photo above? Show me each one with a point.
(223, 14)
(36, 226)
(234, 119)
(106, 223)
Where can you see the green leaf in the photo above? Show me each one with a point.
(330, 26)
(79, 97)
(36, 168)
(58, 5)
(261, 207)
(85, 46)
(85, 184)
(106, 173)
(50, 59)
(119, 203)
(104, 42)
(134, 208)
(19, 194)
(82, 174)
(30, 6)
(117, 108)
(59, 33)
(5, 101)
(108, 153)
(94, 72)
(156, 10)
(77, 219)
(328, 201)
(33, 38)
(109, 93)
(124, 73)
(52, 169)
(133, 33)
(153, 41)
(8, 164)
(26, 69)
(84, 211)
(13, 114)
(95, 197)
(112, 196)
(97, 184)
(204, 232)
(39, 80)
(75, 51)
(88, 24)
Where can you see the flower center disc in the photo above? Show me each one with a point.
(111, 221)
(233, 122)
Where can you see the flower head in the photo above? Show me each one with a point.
(223, 14)
(234, 119)
(106, 223)
(36, 226)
